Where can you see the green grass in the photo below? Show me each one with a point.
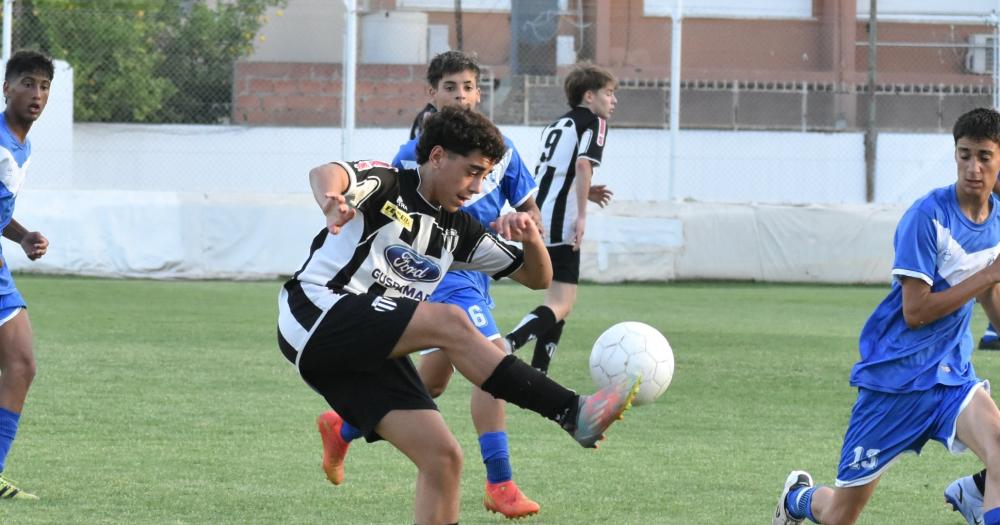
(167, 402)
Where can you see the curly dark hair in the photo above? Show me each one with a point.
(980, 123)
(28, 61)
(449, 63)
(460, 131)
(583, 78)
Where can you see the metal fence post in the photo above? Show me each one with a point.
(349, 78)
(871, 134)
(994, 20)
(675, 93)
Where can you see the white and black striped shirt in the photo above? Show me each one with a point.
(577, 134)
(398, 245)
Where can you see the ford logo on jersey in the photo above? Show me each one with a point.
(410, 265)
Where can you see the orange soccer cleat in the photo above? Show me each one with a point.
(507, 499)
(334, 446)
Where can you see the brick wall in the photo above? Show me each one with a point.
(308, 94)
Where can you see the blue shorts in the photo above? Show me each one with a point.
(10, 304)
(477, 307)
(884, 426)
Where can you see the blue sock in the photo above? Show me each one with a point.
(992, 517)
(990, 333)
(799, 503)
(348, 432)
(8, 429)
(496, 456)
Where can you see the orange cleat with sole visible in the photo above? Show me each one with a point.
(505, 498)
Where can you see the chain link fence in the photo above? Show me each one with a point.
(245, 95)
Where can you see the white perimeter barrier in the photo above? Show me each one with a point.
(251, 236)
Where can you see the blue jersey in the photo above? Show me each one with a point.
(939, 245)
(508, 181)
(14, 157)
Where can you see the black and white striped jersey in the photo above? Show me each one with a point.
(577, 134)
(397, 245)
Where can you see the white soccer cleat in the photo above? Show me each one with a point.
(965, 498)
(796, 479)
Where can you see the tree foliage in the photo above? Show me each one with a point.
(145, 60)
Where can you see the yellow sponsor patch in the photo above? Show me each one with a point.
(393, 212)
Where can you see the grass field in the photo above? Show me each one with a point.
(167, 402)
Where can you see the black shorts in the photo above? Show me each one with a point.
(565, 263)
(347, 361)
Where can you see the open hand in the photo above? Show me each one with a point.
(600, 194)
(337, 212)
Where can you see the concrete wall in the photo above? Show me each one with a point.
(713, 166)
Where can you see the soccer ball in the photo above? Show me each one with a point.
(630, 349)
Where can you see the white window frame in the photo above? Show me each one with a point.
(953, 11)
(782, 9)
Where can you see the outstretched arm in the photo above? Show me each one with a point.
(328, 183)
(34, 244)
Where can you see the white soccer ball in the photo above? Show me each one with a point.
(629, 349)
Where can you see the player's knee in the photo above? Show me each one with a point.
(434, 390)
(434, 373)
(993, 452)
(445, 460)
(20, 362)
(435, 385)
(452, 459)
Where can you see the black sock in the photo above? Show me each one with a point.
(516, 382)
(545, 347)
(980, 479)
(539, 321)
